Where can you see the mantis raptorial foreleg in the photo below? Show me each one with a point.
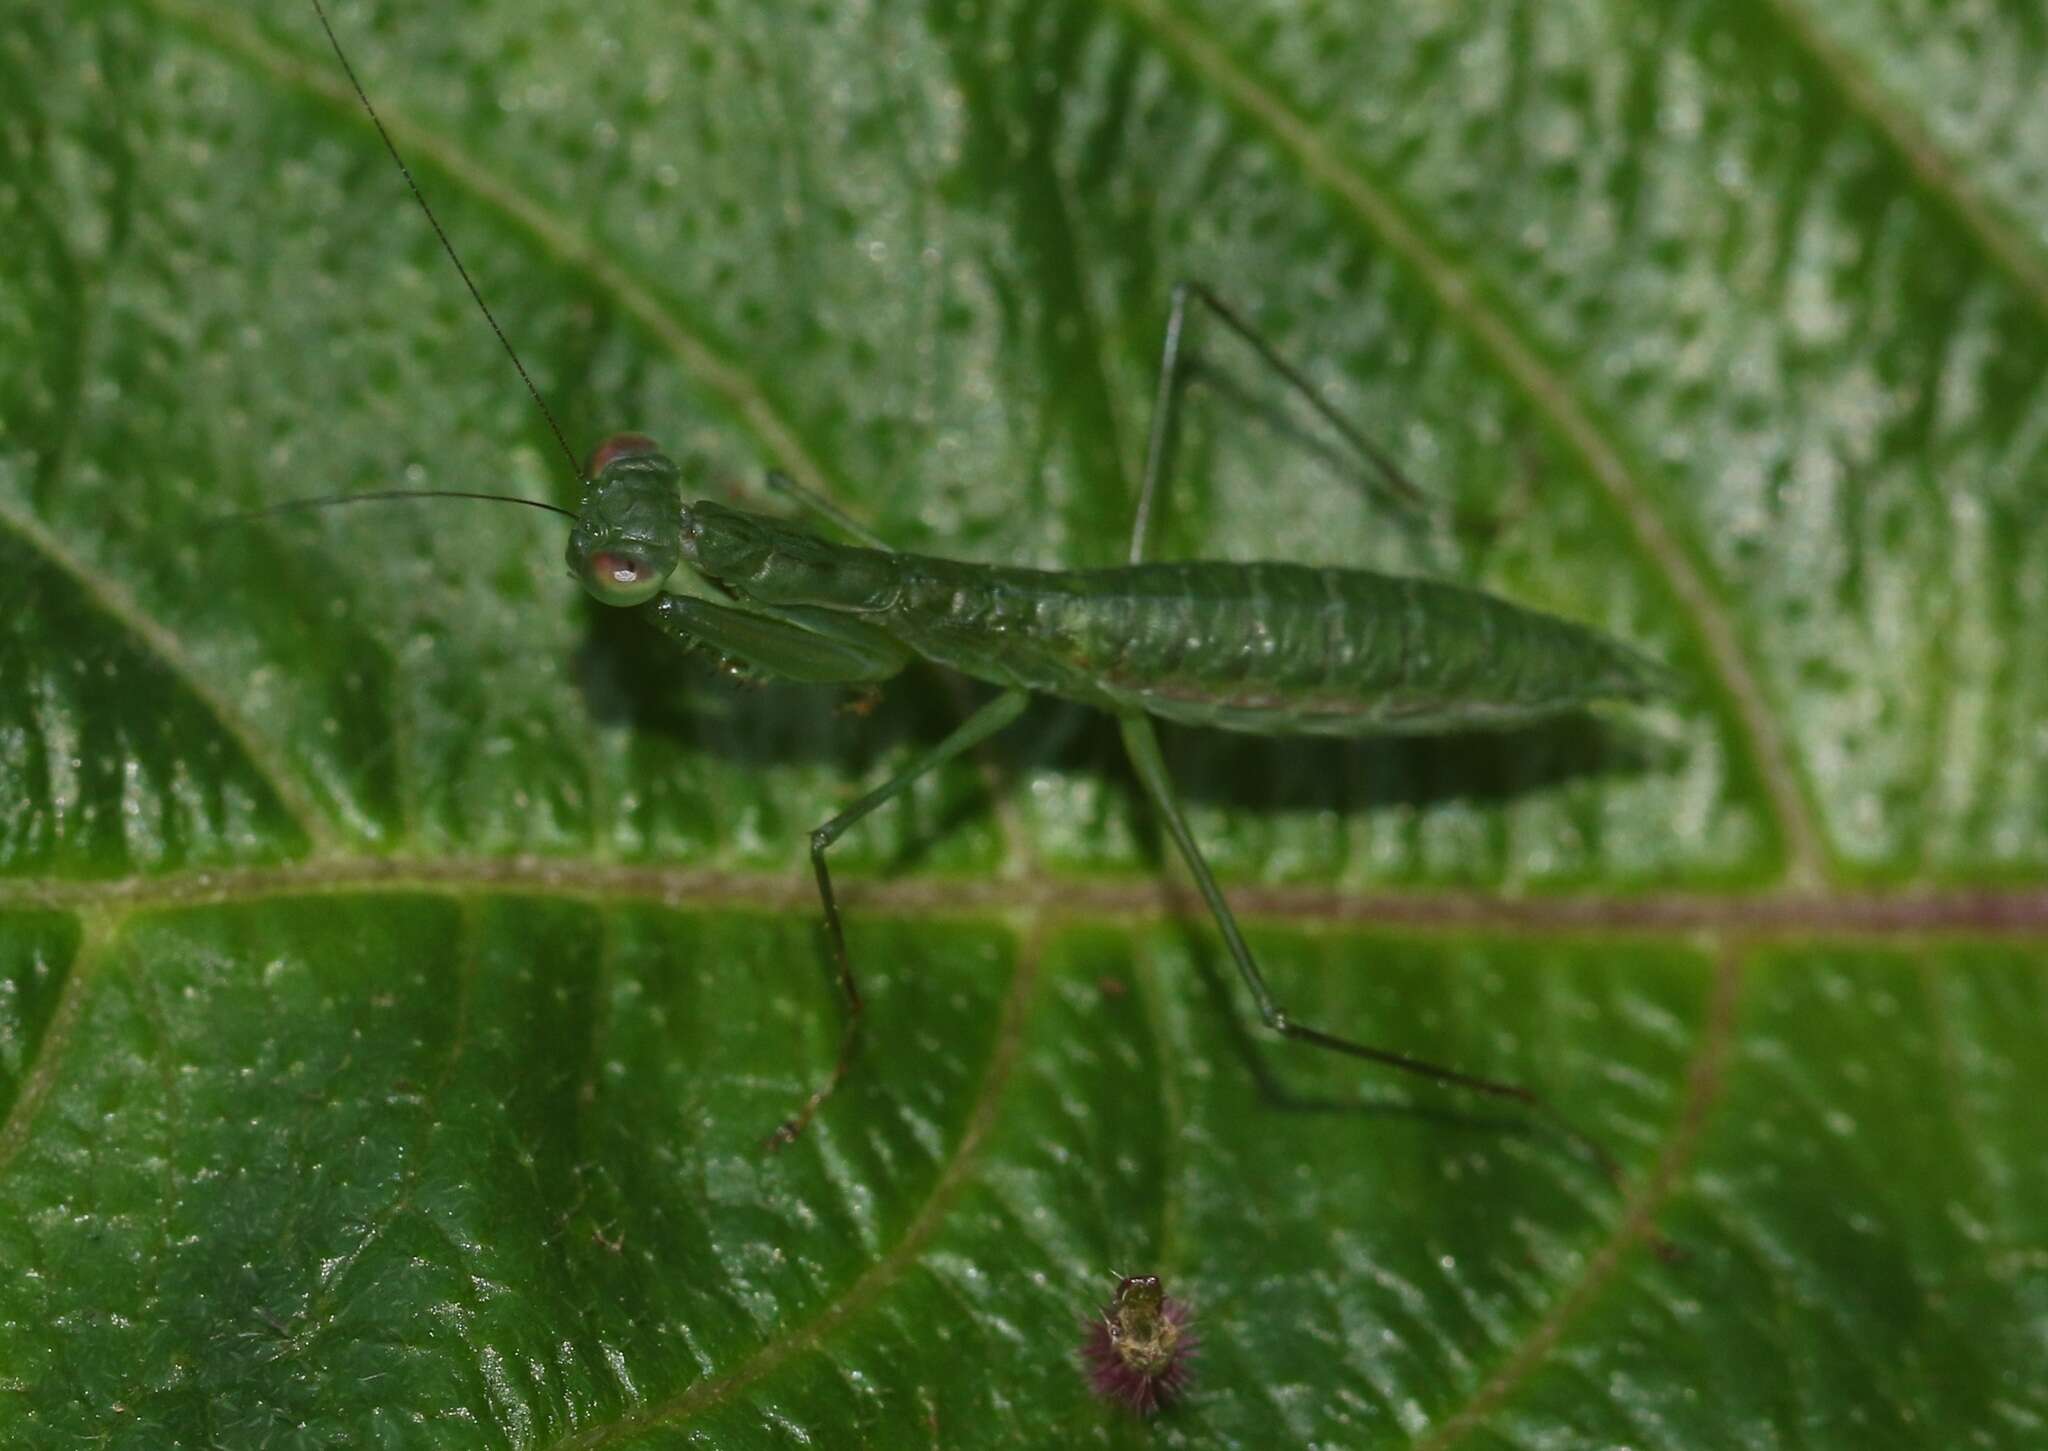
(810, 647)
(1382, 474)
(977, 728)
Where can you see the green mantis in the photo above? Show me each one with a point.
(1273, 649)
(1267, 648)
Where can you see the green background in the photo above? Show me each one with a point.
(401, 957)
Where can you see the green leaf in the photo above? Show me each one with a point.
(402, 958)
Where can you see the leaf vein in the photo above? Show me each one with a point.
(169, 652)
(561, 242)
(869, 1287)
(1637, 1224)
(95, 942)
(1931, 165)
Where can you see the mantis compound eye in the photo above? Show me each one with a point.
(624, 545)
(618, 446)
(622, 579)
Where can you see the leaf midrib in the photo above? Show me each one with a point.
(1908, 914)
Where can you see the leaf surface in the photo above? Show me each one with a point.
(402, 957)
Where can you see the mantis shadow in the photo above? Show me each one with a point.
(1351, 774)
(630, 675)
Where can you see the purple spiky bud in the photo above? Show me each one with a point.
(1138, 1351)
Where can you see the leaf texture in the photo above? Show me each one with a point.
(402, 958)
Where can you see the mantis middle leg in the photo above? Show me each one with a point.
(971, 732)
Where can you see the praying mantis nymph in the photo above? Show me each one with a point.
(1271, 649)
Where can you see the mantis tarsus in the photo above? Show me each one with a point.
(1265, 648)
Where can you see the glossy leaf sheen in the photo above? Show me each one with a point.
(402, 957)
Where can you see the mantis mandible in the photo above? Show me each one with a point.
(1271, 649)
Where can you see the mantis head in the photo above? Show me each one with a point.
(624, 544)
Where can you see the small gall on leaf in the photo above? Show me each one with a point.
(1137, 1352)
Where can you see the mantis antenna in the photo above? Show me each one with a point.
(447, 246)
(329, 501)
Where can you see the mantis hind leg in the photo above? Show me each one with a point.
(1142, 744)
(1381, 475)
(971, 732)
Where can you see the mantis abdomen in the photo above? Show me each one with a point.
(1265, 648)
